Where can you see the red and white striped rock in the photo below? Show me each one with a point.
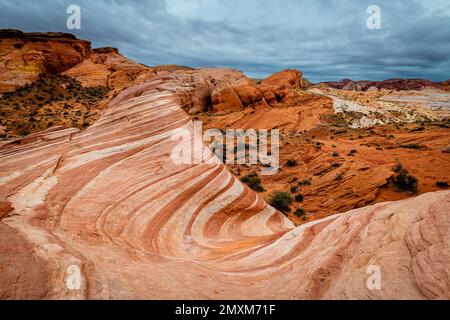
(110, 202)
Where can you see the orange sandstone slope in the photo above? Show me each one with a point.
(109, 202)
(24, 56)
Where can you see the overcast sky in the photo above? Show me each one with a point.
(326, 39)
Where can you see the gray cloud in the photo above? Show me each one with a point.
(327, 40)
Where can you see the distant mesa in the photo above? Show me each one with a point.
(396, 84)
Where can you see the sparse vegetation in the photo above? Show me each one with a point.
(306, 182)
(336, 165)
(299, 198)
(412, 146)
(294, 189)
(442, 184)
(339, 176)
(300, 212)
(335, 154)
(50, 100)
(291, 163)
(253, 181)
(281, 201)
(403, 180)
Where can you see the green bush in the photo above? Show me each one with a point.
(291, 163)
(403, 180)
(281, 201)
(253, 181)
(411, 146)
(300, 212)
(299, 198)
(294, 189)
(442, 184)
(306, 182)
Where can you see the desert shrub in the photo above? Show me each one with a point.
(442, 184)
(411, 146)
(299, 198)
(339, 176)
(294, 189)
(300, 212)
(335, 154)
(403, 180)
(253, 181)
(336, 165)
(281, 201)
(446, 150)
(291, 163)
(306, 182)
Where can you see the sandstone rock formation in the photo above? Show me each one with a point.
(235, 92)
(110, 203)
(54, 79)
(24, 56)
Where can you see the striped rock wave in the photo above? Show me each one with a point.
(106, 214)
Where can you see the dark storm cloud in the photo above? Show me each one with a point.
(327, 39)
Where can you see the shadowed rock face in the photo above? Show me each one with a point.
(109, 202)
(233, 91)
(24, 56)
